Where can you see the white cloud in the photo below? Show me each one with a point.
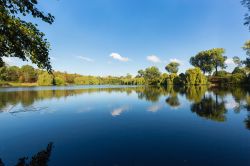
(154, 108)
(119, 111)
(229, 61)
(154, 59)
(176, 60)
(8, 60)
(119, 57)
(231, 105)
(85, 58)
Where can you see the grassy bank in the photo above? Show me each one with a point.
(15, 84)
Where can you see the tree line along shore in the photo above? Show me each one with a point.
(209, 68)
(23, 39)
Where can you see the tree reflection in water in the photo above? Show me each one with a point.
(195, 93)
(152, 94)
(39, 159)
(172, 100)
(210, 109)
(247, 122)
(247, 106)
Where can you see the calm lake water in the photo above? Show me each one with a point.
(125, 126)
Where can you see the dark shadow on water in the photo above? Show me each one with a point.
(40, 159)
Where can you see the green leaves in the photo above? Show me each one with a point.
(152, 75)
(172, 67)
(23, 39)
(246, 47)
(209, 60)
(25, 7)
(195, 77)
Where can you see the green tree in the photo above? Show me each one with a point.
(59, 81)
(164, 78)
(3, 73)
(221, 73)
(246, 47)
(45, 79)
(172, 67)
(13, 73)
(239, 70)
(81, 80)
(139, 81)
(238, 78)
(152, 75)
(209, 60)
(22, 39)
(195, 77)
(203, 61)
(28, 74)
(218, 60)
(141, 73)
(172, 79)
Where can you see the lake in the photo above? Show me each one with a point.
(125, 126)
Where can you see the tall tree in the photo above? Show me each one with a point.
(28, 74)
(13, 73)
(209, 60)
(141, 73)
(246, 47)
(22, 39)
(152, 75)
(172, 67)
(202, 60)
(218, 60)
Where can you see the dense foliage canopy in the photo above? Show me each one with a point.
(209, 60)
(22, 39)
(172, 67)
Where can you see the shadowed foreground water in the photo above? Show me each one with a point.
(121, 126)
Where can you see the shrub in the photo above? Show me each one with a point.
(195, 77)
(238, 78)
(172, 79)
(221, 73)
(59, 81)
(45, 79)
(239, 70)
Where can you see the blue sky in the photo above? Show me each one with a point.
(115, 37)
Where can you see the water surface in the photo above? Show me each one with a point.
(121, 126)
